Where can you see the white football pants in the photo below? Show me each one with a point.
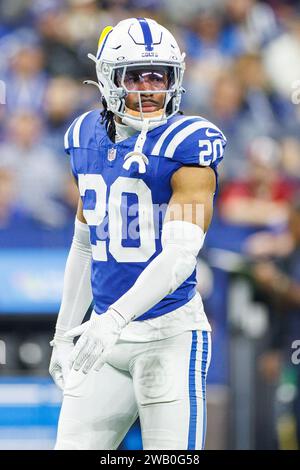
(163, 382)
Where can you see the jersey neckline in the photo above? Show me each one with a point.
(135, 136)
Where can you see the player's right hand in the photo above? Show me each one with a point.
(97, 338)
(59, 367)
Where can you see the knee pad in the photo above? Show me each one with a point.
(155, 378)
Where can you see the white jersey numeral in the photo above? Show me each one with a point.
(144, 217)
(211, 151)
(95, 216)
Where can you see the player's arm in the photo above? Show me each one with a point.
(79, 213)
(188, 217)
(77, 293)
(193, 190)
(76, 297)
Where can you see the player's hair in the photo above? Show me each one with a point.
(109, 121)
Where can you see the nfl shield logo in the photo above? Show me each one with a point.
(111, 154)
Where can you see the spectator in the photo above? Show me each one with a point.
(282, 57)
(227, 107)
(261, 199)
(280, 281)
(26, 79)
(39, 179)
(61, 106)
(254, 21)
(274, 116)
(209, 48)
(61, 53)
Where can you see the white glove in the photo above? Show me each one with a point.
(59, 367)
(98, 336)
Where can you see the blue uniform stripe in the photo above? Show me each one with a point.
(148, 40)
(68, 138)
(192, 394)
(192, 389)
(173, 133)
(203, 376)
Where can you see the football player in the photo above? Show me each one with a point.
(147, 178)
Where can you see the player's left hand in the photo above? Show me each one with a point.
(98, 336)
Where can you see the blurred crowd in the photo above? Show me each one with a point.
(243, 70)
(243, 73)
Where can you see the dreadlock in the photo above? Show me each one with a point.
(108, 120)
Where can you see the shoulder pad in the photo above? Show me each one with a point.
(191, 141)
(82, 132)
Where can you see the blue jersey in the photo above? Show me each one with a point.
(125, 188)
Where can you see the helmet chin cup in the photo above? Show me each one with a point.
(140, 125)
(137, 114)
(133, 119)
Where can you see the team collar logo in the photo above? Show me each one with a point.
(136, 157)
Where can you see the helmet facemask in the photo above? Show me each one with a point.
(121, 79)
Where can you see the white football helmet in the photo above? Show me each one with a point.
(138, 49)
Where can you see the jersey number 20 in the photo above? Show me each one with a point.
(95, 217)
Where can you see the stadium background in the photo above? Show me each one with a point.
(243, 73)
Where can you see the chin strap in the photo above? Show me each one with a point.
(142, 136)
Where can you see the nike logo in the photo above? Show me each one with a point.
(211, 133)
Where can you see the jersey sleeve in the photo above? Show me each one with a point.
(68, 146)
(69, 137)
(79, 138)
(200, 143)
